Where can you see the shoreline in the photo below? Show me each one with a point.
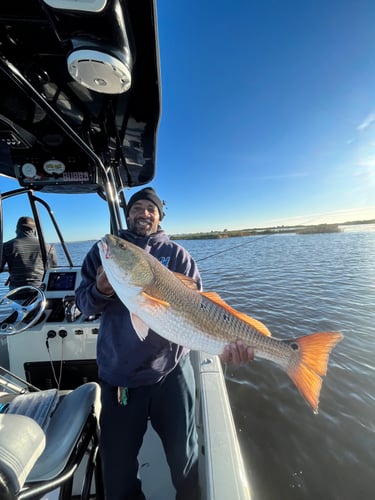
(297, 229)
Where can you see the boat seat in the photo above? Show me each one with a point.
(64, 430)
(70, 430)
(37, 405)
(22, 441)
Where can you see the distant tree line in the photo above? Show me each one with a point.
(320, 228)
(312, 229)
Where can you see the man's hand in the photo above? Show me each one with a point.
(237, 353)
(102, 283)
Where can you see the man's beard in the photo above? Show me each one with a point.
(140, 229)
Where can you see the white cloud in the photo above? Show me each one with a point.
(370, 163)
(366, 122)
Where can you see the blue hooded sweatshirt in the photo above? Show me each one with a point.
(123, 359)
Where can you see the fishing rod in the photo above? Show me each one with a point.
(253, 240)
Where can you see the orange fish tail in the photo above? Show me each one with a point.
(310, 363)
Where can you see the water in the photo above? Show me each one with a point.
(298, 285)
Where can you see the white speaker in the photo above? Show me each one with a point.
(84, 5)
(99, 71)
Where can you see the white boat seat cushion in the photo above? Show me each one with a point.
(21, 442)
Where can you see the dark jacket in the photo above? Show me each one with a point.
(24, 259)
(123, 359)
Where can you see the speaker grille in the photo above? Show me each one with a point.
(99, 71)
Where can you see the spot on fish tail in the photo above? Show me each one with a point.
(310, 363)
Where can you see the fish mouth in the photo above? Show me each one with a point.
(105, 247)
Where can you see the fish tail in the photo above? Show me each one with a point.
(310, 364)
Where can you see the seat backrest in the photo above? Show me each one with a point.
(64, 430)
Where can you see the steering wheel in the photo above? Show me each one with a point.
(27, 304)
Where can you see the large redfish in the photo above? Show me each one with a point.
(170, 304)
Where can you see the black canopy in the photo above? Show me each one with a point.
(80, 93)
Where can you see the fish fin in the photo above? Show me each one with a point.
(141, 329)
(254, 323)
(155, 299)
(215, 297)
(186, 280)
(311, 365)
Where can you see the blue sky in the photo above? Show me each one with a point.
(268, 117)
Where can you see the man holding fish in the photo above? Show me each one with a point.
(144, 378)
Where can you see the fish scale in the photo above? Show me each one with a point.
(196, 329)
(170, 305)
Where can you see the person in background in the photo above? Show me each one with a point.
(23, 256)
(139, 381)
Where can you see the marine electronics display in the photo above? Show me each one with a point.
(61, 281)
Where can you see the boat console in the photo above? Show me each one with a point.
(50, 394)
(61, 346)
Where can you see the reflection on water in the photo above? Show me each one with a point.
(299, 284)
